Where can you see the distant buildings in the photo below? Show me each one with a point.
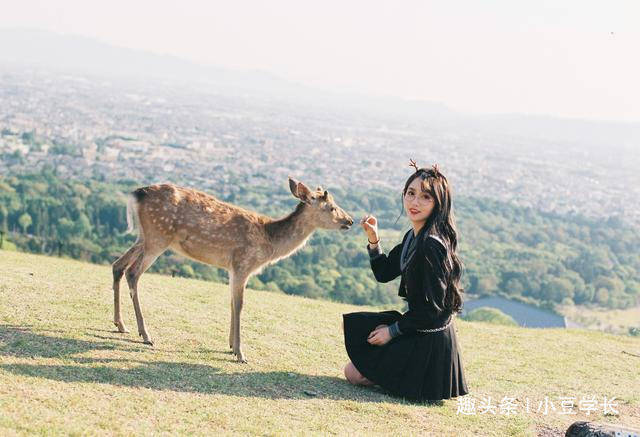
(159, 131)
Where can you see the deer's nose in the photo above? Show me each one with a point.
(350, 221)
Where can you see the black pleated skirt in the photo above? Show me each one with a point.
(419, 367)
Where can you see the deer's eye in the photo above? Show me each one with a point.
(333, 208)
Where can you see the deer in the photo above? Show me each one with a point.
(201, 227)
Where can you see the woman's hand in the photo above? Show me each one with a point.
(379, 336)
(370, 225)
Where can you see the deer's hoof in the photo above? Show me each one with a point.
(121, 328)
(239, 356)
(149, 342)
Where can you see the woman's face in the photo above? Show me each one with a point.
(417, 203)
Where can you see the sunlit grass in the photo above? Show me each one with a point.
(607, 320)
(64, 371)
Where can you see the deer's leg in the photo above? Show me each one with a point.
(237, 283)
(231, 328)
(119, 267)
(140, 265)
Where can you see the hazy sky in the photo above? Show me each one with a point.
(569, 58)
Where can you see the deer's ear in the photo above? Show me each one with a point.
(293, 186)
(304, 193)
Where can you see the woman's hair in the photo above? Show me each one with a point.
(441, 222)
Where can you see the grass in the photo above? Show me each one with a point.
(607, 320)
(63, 370)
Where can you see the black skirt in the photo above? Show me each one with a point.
(420, 367)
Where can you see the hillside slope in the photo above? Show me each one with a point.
(63, 370)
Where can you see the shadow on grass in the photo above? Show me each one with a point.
(173, 376)
(198, 378)
(118, 337)
(19, 341)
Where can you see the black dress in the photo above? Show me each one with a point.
(416, 365)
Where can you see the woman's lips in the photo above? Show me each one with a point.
(414, 211)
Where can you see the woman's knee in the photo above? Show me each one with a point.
(354, 376)
(349, 372)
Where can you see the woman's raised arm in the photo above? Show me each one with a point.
(385, 268)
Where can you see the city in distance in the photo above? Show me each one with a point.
(225, 132)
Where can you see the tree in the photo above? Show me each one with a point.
(255, 283)
(602, 296)
(307, 287)
(272, 286)
(484, 285)
(25, 221)
(490, 315)
(65, 228)
(27, 137)
(558, 289)
(349, 290)
(514, 286)
(4, 218)
(82, 225)
(186, 271)
(584, 295)
(633, 289)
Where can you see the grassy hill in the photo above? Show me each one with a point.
(64, 371)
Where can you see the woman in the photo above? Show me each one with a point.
(413, 355)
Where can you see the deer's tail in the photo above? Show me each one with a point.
(132, 209)
(131, 213)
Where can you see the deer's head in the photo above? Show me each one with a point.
(326, 213)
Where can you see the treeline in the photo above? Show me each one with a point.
(521, 252)
(516, 252)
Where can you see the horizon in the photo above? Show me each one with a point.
(534, 60)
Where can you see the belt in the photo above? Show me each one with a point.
(442, 328)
